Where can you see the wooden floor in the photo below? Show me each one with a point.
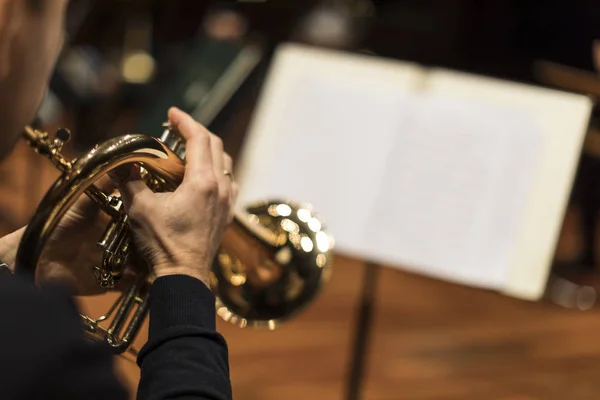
(429, 339)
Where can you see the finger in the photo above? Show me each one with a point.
(228, 166)
(106, 184)
(88, 208)
(220, 166)
(234, 194)
(199, 161)
(130, 190)
(216, 147)
(222, 161)
(233, 186)
(129, 183)
(227, 162)
(124, 173)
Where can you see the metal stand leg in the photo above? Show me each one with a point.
(362, 331)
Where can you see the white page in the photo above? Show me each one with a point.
(323, 126)
(345, 133)
(563, 119)
(454, 191)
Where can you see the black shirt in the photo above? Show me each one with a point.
(44, 353)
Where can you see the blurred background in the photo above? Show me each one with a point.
(375, 333)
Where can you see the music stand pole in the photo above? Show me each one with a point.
(362, 331)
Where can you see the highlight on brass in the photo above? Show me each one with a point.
(273, 260)
(260, 285)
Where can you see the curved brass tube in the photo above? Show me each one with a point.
(273, 260)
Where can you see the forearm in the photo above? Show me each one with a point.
(77, 364)
(8, 247)
(185, 357)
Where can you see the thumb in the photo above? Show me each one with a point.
(129, 183)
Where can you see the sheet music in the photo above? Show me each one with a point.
(318, 139)
(329, 151)
(449, 175)
(562, 118)
(454, 190)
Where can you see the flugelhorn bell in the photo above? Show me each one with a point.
(273, 260)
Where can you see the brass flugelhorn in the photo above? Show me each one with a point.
(273, 260)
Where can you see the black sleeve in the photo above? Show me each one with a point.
(185, 357)
(44, 352)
